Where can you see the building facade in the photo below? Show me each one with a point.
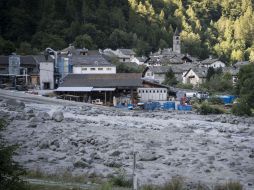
(47, 72)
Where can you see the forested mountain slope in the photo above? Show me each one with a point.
(221, 27)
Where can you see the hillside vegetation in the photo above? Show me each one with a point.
(220, 27)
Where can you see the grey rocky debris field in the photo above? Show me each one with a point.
(101, 141)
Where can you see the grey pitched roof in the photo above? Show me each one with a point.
(167, 56)
(127, 51)
(42, 58)
(241, 63)
(89, 60)
(141, 59)
(103, 80)
(231, 70)
(25, 60)
(175, 68)
(209, 61)
(200, 72)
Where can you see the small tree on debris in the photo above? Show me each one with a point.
(10, 171)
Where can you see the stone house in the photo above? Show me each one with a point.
(195, 76)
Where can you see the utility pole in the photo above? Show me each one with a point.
(135, 178)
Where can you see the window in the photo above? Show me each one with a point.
(109, 69)
(84, 69)
(142, 91)
(92, 69)
(154, 91)
(100, 69)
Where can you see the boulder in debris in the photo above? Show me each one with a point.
(43, 116)
(11, 103)
(58, 116)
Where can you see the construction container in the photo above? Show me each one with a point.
(152, 106)
(169, 106)
(227, 99)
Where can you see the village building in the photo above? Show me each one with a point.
(122, 55)
(125, 55)
(107, 89)
(152, 94)
(158, 73)
(47, 76)
(233, 71)
(18, 70)
(94, 87)
(139, 60)
(177, 42)
(212, 62)
(92, 64)
(195, 76)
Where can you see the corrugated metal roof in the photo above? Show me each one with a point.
(89, 60)
(74, 89)
(103, 80)
(103, 89)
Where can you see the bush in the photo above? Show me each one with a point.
(10, 171)
(174, 184)
(106, 186)
(241, 109)
(148, 187)
(215, 100)
(206, 109)
(121, 180)
(184, 86)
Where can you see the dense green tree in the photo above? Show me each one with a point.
(25, 48)
(210, 72)
(245, 84)
(220, 27)
(84, 41)
(119, 39)
(6, 47)
(170, 78)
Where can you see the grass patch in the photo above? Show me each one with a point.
(229, 186)
(46, 187)
(206, 109)
(65, 176)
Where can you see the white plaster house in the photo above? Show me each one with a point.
(92, 64)
(139, 60)
(195, 76)
(210, 62)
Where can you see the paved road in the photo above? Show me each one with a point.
(26, 97)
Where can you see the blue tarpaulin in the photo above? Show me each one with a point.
(184, 107)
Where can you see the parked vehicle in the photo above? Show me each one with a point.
(202, 95)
